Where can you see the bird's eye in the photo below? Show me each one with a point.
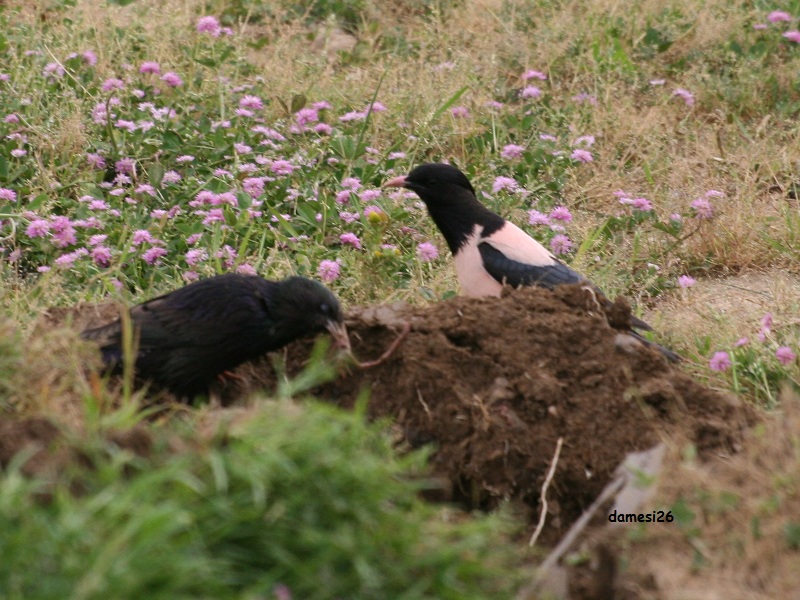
(324, 308)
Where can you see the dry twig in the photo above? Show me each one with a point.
(389, 351)
(543, 496)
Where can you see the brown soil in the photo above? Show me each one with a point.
(44, 449)
(37, 437)
(493, 383)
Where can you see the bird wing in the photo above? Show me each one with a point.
(514, 273)
(104, 334)
(190, 335)
(162, 324)
(200, 316)
(205, 314)
(513, 257)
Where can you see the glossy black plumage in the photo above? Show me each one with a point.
(188, 337)
(489, 251)
(516, 274)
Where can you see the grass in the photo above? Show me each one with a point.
(312, 507)
(235, 164)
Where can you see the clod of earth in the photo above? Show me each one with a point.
(493, 383)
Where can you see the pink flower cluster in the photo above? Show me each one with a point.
(702, 205)
(508, 184)
(328, 270)
(427, 252)
(642, 204)
(780, 16)
(560, 215)
(211, 25)
(785, 355)
(360, 115)
(684, 95)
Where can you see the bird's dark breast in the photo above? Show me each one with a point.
(515, 273)
(456, 231)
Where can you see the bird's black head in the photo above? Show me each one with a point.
(451, 201)
(435, 183)
(308, 307)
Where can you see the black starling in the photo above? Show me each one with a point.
(187, 338)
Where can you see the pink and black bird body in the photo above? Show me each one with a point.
(489, 252)
(187, 338)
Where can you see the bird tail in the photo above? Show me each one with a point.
(108, 338)
(104, 333)
(666, 352)
(639, 324)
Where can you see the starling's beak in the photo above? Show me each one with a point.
(339, 333)
(396, 182)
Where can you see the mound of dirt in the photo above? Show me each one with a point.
(494, 383)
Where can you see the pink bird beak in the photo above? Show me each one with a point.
(396, 182)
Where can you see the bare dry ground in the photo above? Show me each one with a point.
(730, 306)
